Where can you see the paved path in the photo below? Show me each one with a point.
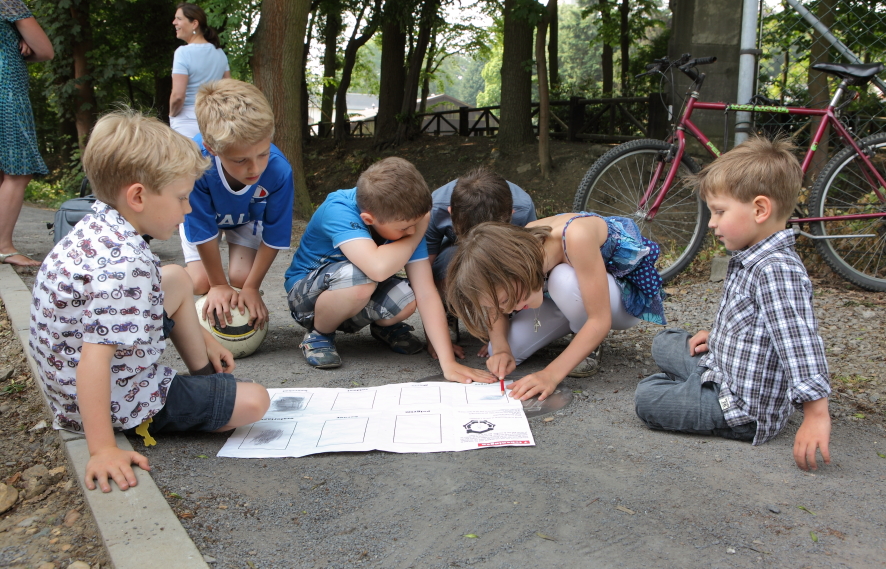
(598, 490)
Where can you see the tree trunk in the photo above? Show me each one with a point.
(818, 89)
(544, 108)
(625, 44)
(606, 59)
(515, 127)
(406, 128)
(341, 94)
(84, 101)
(553, 46)
(426, 76)
(277, 68)
(305, 97)
(392, 75)
(333, 29)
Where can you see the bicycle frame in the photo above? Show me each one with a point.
(830, 118)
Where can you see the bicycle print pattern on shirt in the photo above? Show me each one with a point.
(101, 284)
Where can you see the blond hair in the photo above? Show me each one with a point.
(127, 147)
(480, 196)
(494, 258)
(393, 190)
(232, 112)
(756, 167)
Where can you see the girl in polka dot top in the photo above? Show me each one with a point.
(522, 288)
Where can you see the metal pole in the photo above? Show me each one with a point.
(826, 34)
(747, 65)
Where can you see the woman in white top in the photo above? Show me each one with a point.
(200, 61)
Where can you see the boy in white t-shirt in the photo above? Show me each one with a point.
(103, 308)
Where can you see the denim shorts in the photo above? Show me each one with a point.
(196, 403)
(391, 295)
(168, 325)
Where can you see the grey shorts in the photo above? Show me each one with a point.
(391, 296)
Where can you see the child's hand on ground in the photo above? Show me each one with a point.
(698, 344)
(251, 299)
(541, 383)
(221, 358)
(501, 364)
(457, 351)
(220, 300)
(483, 352)
(116, 464)
(814, 434)
(464, 374)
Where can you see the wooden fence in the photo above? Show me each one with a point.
(616, 119)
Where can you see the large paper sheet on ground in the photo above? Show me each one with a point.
(404, 417)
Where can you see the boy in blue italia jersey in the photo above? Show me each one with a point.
(342, 275)
(246, 194)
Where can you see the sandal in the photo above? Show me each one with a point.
(4, 256)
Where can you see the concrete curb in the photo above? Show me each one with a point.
(138, 527)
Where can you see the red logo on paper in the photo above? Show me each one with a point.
(500, 443)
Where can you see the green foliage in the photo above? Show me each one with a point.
(491, 94)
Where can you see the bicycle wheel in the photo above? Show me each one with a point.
(843, 189)
(617, 181)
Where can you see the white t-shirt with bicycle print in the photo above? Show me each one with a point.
(101, 284)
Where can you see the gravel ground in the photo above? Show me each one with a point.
(598, 490)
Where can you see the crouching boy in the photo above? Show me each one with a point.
(763, 355)
(342, 275)
(103, 308)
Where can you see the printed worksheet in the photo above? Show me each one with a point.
(403, 417)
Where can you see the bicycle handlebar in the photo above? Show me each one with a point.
(684, 63)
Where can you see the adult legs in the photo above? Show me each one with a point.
(12, 195)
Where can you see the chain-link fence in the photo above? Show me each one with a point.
(789, 45)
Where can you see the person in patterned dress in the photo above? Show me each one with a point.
(22, 40)
(570, 273)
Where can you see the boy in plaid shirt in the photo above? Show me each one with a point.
(764, 356)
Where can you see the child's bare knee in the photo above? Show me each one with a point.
(407, 311)
(177, 287)
(254, 403)
(364, 291)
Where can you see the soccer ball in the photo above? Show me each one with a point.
(238, 336)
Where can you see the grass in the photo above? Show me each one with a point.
(852, 381)
(46, 194)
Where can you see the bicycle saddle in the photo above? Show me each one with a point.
(854, 74)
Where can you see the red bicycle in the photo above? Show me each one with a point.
(645, 180)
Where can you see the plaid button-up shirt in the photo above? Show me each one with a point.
(764, 347)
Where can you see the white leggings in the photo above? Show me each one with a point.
(560, 316)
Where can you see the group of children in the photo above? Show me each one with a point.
(104, 307)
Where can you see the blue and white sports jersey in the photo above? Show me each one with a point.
(267, 203)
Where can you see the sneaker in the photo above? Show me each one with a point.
(588, 366)
(398, 337)
(319, 350)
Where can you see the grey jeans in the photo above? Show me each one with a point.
(677, 400)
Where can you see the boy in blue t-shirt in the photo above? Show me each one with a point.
(342, 275)
(247, 193)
